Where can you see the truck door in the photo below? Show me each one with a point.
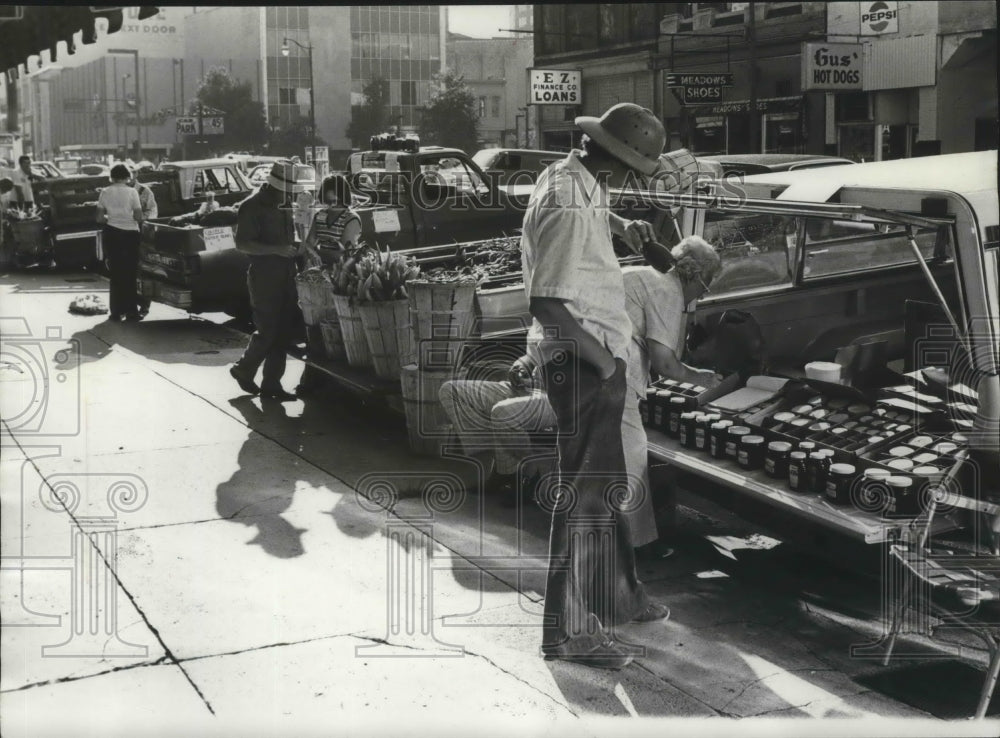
(457, 205)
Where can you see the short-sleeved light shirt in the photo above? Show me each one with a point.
(655, 305)
(119, 201)
(148, 201)
(23, 183)
(566, 254)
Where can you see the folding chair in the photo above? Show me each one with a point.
(961, 589)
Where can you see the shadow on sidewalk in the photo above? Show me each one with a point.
(178, 341)
(259, 491)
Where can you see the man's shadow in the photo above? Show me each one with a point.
(261, 490)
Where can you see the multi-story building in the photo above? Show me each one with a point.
(610, 44)
(108, 94)
(495, 69)
(120, 90)
(350, 45)
(923, 74)
(928, 80)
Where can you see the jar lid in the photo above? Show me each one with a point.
(901, 464)
(819, 413)
(670, 382)
(807, 445)
(687, 416)
(872, 440)
(678, 400)
(780, 446)
(686, 385)
(797, 455)
(710, 417)
(699, 389)
(652, 390)
(903, 427)
(821, 426)
(841, 469)
(720, 424)
(945, 448)
(900, 451)
(899, 481)
(829, 452)
(817, 455)
(877, 473)
(739, 430)
(799, 422)
(921, 441)
(926, 471)
(802, 409)
(959, 438)
(839, 431)
(753, 440)
(784, 417)
(664, 393)
(924, 458)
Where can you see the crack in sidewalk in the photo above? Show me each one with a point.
(73, 678)
(111, 570)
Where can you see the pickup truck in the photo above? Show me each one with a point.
(429, 197)
(70, 202)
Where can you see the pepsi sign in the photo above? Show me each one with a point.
(879, 17)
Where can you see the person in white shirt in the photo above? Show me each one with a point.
(119, 209)
(149, 210)
(23, 178)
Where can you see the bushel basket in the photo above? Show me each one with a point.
(388, 332)
(441, 317)
(353, 332)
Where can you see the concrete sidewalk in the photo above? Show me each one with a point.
(180, 560)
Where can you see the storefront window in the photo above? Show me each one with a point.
(856, 142)
(709, 135)
(782, 134)
(612, 26)
(894, 142)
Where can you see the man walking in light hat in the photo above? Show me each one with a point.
(265, 230)
(581, 328)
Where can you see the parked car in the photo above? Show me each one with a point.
(46, 170)
(750, 164)
(501, 165)
(258, 175)
(95, 170)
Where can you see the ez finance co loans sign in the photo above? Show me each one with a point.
(554, 87)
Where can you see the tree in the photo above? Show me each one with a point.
(372, 116)
(450, 118)
(246, 126)
(293, 140)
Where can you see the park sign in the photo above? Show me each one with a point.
(555, 87)
(831, 66)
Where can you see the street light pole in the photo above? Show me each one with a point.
(125, 111)
(285, 50)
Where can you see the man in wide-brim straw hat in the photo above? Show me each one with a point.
(265, 230)
(577, 301)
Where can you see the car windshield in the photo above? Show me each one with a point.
(484, 159)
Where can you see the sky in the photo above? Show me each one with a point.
(479, 21)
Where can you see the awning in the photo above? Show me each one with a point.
(28, 30)
(791, 104)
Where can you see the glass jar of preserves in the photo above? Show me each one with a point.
(717, 438)
(685, 430)
(797, 471)
(734, 436)
(750, 455)
(776, 459)
(839, 483)
(675, 408)
(817, 469)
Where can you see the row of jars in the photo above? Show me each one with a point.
(803, 467)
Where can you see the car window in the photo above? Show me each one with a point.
(451, 173)
(841, 246)
(757, 250)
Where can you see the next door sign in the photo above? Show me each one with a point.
(554, 87)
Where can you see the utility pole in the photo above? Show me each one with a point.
(755, 146)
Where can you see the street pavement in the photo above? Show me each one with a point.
(179, 559)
